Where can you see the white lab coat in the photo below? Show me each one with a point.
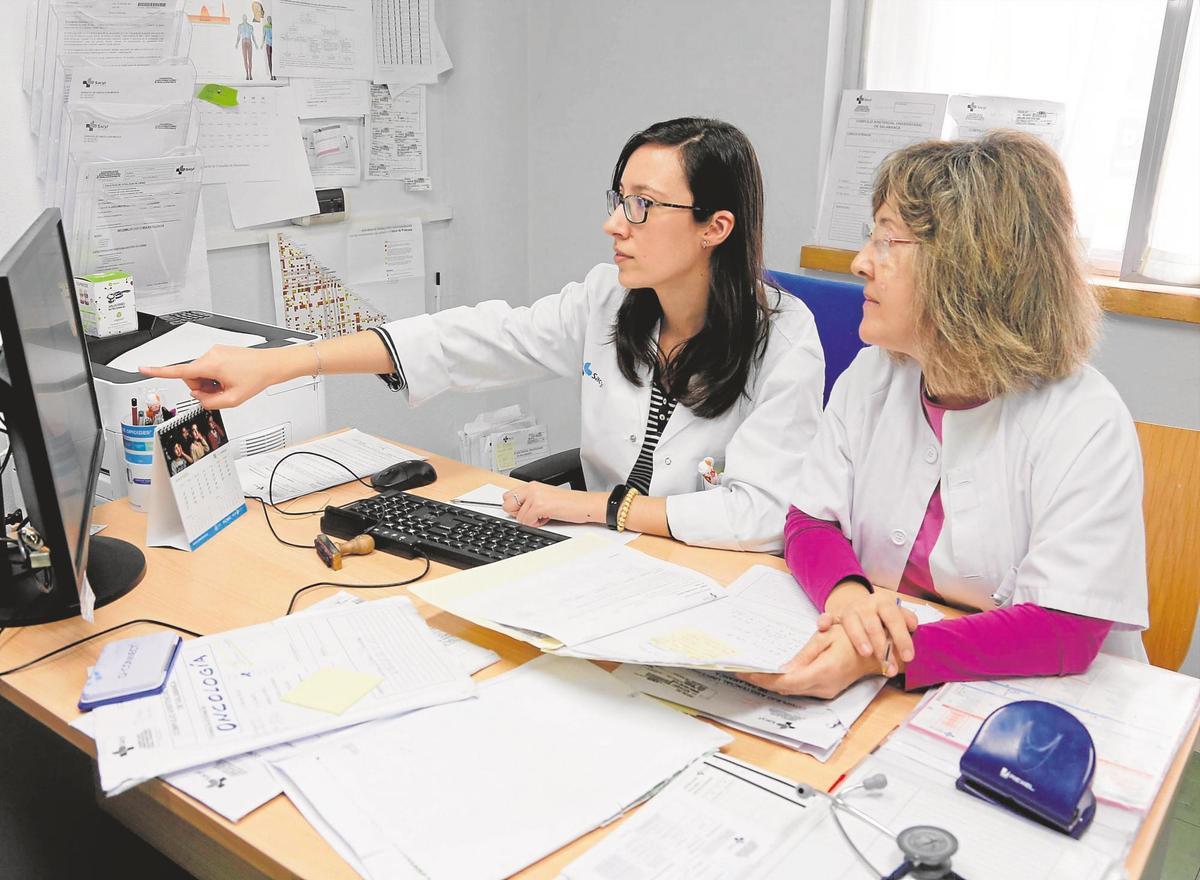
(761, 439)
(1042, 492)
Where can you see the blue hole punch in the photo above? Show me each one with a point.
(1037, 760)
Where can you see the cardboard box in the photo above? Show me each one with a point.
(106, 303)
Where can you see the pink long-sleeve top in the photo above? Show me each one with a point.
(1023, 639)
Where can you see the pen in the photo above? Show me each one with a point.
(133, 405)
(887, 654)
(437, 293)
(477, 503)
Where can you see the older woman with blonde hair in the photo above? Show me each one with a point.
(970, 456)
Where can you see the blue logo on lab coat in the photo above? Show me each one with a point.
(595, 377)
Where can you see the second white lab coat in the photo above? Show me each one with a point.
(1042, 492)
(761, 439)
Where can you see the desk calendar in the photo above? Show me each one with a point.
(194, 489)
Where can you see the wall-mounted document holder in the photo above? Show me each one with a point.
(113, 132)
(84, 82)
(137, 215)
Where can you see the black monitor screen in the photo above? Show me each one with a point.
(56, 363)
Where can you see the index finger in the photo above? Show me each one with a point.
(177, 371)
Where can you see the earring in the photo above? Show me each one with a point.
(704, 243)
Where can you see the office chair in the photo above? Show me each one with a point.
(836, 307)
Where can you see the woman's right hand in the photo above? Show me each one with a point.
(871, 621)
(225, 376)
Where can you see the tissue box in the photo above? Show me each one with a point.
(106, 303)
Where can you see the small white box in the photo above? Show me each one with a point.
(106, 303)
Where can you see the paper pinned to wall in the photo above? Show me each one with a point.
(396, 135)
(311, 278)
(404, 41)
(387, 253)
(243, 143)
(293, 194)
(331, 98)
(334, 152)
(229, 41)
(323, 38)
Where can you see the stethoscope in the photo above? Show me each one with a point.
(926, 848)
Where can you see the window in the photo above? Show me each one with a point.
(1100, 59)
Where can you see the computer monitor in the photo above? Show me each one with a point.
(56, 438)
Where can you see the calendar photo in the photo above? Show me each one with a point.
(189, 439)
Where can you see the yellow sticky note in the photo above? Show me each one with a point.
(332, 690)
(506, 456)
(694, 644)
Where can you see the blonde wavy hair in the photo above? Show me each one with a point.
(1000, 302)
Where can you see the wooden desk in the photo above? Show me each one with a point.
(245, 577)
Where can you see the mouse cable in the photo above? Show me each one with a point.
(269, 501)
(102, 632)
(404, 583)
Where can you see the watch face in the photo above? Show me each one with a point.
(927, 845)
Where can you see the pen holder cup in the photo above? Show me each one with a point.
(138, 446)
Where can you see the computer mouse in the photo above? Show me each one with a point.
(404, 475)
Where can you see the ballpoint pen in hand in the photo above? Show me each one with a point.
(887, 654)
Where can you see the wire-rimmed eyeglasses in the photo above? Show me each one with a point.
(637, 208)
(883, 246)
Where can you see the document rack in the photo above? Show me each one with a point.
(402, 523)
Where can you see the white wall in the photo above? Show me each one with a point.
(598, 72)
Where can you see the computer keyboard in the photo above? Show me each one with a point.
(399, 522)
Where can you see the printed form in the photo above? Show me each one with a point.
(323, 38)
(546, 753)
(361, 453)
(224, 696)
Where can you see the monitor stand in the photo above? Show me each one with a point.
(114, 568)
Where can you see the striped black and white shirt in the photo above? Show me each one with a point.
(661, 407)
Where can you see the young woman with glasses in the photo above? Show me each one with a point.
(971, 455)
(682, 354)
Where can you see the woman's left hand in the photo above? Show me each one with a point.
(535, 504)
(824, 668)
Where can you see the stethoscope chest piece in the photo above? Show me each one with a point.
(927, 851)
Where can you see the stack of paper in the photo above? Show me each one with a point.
(546, 753)
(587, 598)
(816, 727)
(502, 440)
(278, 682)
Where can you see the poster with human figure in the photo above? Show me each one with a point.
(231, 40)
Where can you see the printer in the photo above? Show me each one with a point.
(280, 415)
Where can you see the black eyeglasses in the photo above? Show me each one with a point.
(638, 207)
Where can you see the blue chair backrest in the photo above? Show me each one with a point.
(837, 307)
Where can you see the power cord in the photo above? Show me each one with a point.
(404, 583)
(269, 502)
(102, 632)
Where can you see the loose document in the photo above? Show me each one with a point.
(238, 785)
(588, 598)
(361, 453)
(546, 753)
(724, 818)
(225, 694)
(235, 786)
(807, 724)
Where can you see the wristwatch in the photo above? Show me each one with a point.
(614, 505)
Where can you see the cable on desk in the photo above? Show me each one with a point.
(102, 632)
(269, 501)
(404, 583)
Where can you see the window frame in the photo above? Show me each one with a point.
(1159, 113)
